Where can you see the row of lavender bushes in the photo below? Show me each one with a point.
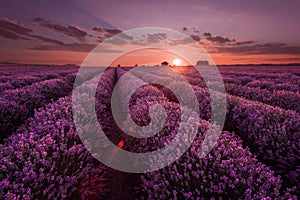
(19, 79)
(272, 133)
(229, 171)
(281, 98)
(19, 104)
(268, 81)
(46, 159)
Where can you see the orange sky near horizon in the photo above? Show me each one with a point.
(149, 57)
(141, 57)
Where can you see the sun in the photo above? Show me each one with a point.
(177, 62)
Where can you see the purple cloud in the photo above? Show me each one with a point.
(79, 47)
(105, 32)
(207, 35)
(11, 35)
(265, 48)
(217, 39)
(156, 37)
(195, 37)
(14, 26)
(72, 31)
(49, 40)
(244, 42)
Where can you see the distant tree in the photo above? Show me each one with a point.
(136, 65)
(202, 62)
(165, 63)
(119, 65)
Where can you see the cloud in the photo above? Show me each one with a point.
(121, 38)
(11, 35)
(217, 39)
(244, 42)
(195, 37)
(78, 47)
(72, 31)
(264, 48)
(113, 31)
(67, 47)
(49, 40)
(207, 35)
(180, 41)
(13, 29)
(105, 32)
(156, 37)
(14, 26)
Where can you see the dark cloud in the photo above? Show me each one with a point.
(194, 34)
(79, 47)
(196, 37)
(244, 43)
(11, 35)
(207, 35)
(265, 48)
(67, 47)
(113, 31)
(217, 39)
(49, 40)
(180, 41)
(15, 30)
(156, 37)
(14, 26)
(106, 32)
(120, 39)
(72, 31)
(98, 29)
(117, 41)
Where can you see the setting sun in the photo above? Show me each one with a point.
(177, 62)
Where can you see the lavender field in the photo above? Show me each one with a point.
(257, 155)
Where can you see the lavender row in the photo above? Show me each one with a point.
(19, 104)
(283, 99)
(260, 126)
(46, 159)
(181, 180)
(38, 71)
(13, 82)
(228, 172)
(273, 81)
(10, 74)
(268, 84)
(21, 79)
(272, 133)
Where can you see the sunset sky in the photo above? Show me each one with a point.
(65, 31)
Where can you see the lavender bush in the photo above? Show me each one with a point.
(46, 159)
(227, 172)
(283, 99)
(19, 104)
